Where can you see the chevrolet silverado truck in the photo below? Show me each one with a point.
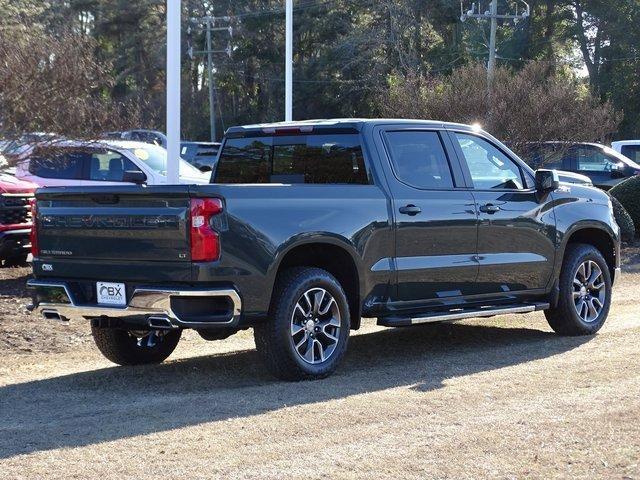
(309, 227)
(15, 219)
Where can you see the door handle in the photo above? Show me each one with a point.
(490, 209)
(410, 210)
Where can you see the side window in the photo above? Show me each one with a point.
(419, 159)
(490, 168)
(245, 160)
(550, 157)
(632, 152)
(108, 166)
(593, 160)
(60, 166)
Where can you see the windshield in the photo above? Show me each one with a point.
(156, 158)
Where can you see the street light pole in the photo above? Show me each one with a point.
(289, 63)
(174, 14)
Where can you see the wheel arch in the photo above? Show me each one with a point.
(598, 235)
(333, 254)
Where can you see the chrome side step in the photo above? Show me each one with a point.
(462, 314)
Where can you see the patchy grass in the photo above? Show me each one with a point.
(501, 397)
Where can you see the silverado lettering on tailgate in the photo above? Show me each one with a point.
(111, 222)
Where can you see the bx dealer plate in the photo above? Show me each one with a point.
(112, 294)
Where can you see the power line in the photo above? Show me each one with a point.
(297, 8)
(493, 16)
(210, 26)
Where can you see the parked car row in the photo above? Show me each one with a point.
(201, 155)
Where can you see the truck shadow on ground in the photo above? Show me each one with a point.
(14, 287)
(115, 403)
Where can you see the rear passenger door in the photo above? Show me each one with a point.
(516, 230)
(57, 169)
(434, 218)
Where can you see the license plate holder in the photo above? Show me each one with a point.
(111, 294)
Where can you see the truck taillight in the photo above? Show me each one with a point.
(35, 250)
(205, 242)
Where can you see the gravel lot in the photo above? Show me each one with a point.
(502, 397)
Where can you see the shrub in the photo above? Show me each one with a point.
(624, 220)
(628, 194)
(535, 104)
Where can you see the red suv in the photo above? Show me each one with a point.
(15, 219)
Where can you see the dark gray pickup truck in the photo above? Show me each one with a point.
(309, 227)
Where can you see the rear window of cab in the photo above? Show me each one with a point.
(299, 159)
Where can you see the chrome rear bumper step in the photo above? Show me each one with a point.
(462, 314)
(149, 307)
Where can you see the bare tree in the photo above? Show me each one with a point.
(56, 84)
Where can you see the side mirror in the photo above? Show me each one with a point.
(206, 169)
(134, 176)
(547, 180)
(617, 171)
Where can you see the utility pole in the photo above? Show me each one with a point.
(212, 90)
(288, 97)
(491, 68)
(492, 15)
(210, 25)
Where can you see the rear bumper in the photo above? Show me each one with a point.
(14, 243)
(148, 307)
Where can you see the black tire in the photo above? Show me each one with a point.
(564, 319)
(275, 341)
(125, 348)
(20, 261)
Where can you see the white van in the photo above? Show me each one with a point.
(628, 148)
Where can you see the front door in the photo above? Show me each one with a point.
(600, 167)
(435, 219)
(516, 232)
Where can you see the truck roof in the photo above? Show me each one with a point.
(355, 124)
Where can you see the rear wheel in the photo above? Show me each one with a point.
(19, 261)
(307, 335)
(585, 293)
(132, 347)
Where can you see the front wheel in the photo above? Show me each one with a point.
(307, 335)
(131, 347)
(585, 293)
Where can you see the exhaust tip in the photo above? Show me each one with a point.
(53, 315)
(160, 323)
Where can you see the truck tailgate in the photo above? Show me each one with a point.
(114, 224)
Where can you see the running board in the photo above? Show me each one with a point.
(462, 314)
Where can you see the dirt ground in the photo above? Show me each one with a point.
(498, 398)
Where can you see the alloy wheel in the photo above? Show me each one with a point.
(315, 326)
(589, 291)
